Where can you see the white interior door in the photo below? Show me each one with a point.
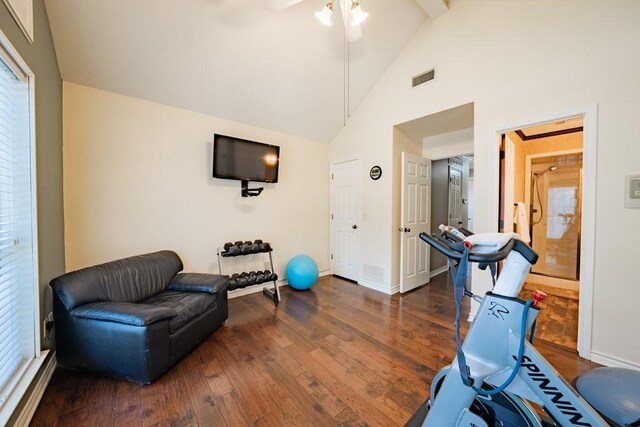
(344, 219)
(509, 183)
(455, 196)
(416, 216)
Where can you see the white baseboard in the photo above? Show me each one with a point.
(438, 271)
(377, 287)
(269, 285)
(612, 361)
(395, 289)
(38, 391)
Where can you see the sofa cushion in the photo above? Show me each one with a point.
(198, 282)
(124, 312)
(130, 279)
(187, 305)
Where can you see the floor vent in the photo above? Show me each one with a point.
(425, 77)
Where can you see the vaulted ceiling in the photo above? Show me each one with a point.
(232, 58)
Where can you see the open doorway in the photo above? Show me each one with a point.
(541, 193)
(451, 200)
(444, 140)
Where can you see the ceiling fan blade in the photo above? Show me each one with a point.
(277, 5)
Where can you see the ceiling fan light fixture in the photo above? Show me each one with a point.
(358, 16)
(324, 15)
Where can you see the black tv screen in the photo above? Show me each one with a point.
(235, 158)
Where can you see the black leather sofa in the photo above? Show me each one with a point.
(134, 318)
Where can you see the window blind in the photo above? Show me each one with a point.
(17, 305)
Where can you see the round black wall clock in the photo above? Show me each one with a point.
(375, 173)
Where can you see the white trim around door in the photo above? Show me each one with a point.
(344, 219)
(587, 246)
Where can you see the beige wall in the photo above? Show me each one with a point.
(482, 52)
(137, 178)
(523, 149)
(569, 141)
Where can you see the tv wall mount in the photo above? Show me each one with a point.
(250, 192)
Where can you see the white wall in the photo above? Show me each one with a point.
(448, 145)
(137, 178)
(518, 61)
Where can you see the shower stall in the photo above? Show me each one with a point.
(555, 196)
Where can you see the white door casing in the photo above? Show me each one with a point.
(344, 219)
(470, 208)
(416, 218)
(509, 183)
(587, 244)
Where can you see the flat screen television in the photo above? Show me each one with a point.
(236, 158)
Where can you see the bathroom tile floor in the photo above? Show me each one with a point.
(558, 319)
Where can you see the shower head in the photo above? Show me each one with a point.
(549, 169)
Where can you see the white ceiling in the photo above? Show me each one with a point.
(230, 58)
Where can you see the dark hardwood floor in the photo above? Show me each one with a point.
(339, 354)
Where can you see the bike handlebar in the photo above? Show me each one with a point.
(454, 250)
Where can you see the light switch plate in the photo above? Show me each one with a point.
(632, 192)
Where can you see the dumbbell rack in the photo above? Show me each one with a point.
(273, 294)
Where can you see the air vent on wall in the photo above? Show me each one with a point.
(422, 78)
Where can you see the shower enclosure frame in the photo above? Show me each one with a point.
(528, 200)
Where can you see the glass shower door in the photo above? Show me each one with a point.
(556, 192)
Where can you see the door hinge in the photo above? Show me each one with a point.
(331, 176)
(331, 256)
(331, 216)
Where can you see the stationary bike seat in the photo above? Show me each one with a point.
(614, 392)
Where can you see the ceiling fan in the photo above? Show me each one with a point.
(350, 8)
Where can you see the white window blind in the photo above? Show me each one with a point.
(18, 299)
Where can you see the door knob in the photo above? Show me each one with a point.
(355, 227)
(407, 230)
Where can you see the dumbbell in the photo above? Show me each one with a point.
(232, 284)
(255, 248)
(231, 249)
(265, 247)
(259, 277)
(269, 276)
(251, 278)
(242, 281)
(245, 248)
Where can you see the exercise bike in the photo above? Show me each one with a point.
(497, 371)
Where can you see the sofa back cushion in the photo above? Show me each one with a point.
(130, 279)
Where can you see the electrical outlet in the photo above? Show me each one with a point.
(45, 325)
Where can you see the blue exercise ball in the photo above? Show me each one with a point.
(301, 272)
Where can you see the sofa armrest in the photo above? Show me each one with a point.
(124, 312)
(199, 282)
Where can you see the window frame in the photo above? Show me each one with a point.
(28, 371)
